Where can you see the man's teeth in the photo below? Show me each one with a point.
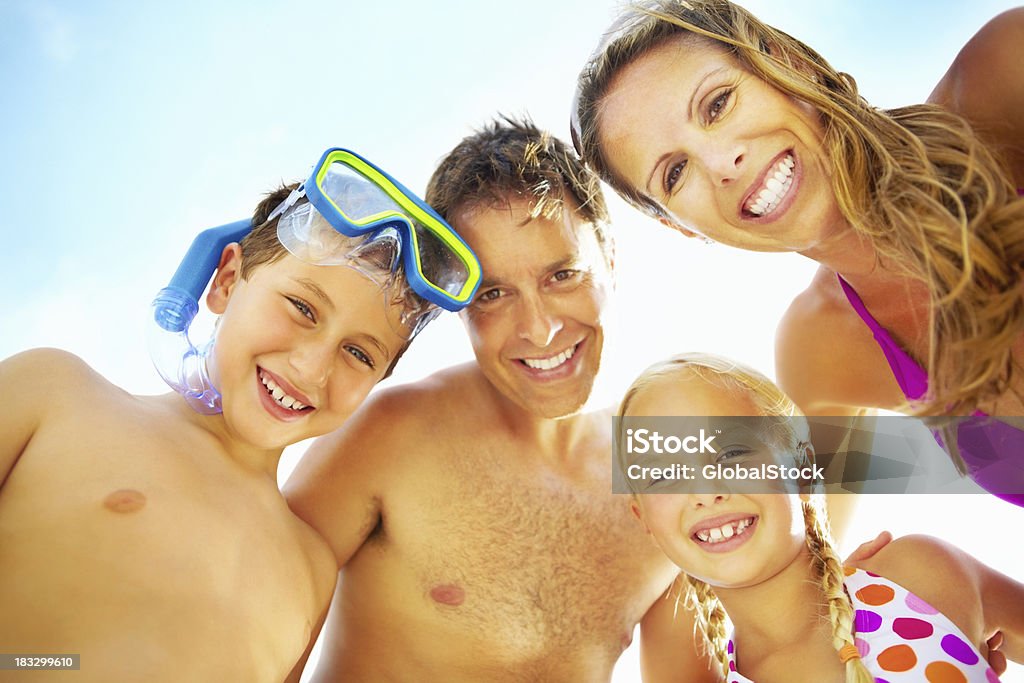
(549, 363)
(724, 532)
(278, 394)
(776, 187)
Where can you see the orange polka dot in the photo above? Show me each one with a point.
(849, 571)
(944, 672)
(897, 658)
(875, 594)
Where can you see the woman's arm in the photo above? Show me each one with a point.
(985, 85)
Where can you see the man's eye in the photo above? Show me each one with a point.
(564, 275)
(303, 308)
(489, 295)
(360, 355)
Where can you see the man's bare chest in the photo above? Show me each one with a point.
(524, 554)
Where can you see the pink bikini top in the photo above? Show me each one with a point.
(992, 450)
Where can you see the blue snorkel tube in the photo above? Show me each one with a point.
(179, 362)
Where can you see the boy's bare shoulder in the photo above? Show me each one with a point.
(51, 378)
(47, 365)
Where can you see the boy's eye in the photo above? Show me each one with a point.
(302, 307)
(360, 355)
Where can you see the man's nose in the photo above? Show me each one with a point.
(538, 324)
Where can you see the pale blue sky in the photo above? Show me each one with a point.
(130, 126)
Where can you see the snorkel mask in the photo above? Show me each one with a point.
(349, 212)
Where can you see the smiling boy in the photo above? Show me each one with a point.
(151, 539)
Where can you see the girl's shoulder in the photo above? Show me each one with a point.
(937, 572)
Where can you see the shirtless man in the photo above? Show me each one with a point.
(152, 540)
(472, 511)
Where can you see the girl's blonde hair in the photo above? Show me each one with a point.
(915, 181)
(709, 615)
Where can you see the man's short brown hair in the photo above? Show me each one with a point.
(511, 159)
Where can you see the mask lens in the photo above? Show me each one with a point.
(358, 199)
(438, 263)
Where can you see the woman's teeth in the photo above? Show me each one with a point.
(724, 532)
(776, 187)
(550, 363)
(283, 399)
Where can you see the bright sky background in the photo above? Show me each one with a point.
(129, 127)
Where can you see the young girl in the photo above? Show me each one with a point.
(919, 610)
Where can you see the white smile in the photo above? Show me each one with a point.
(552, 362)
(282, 399)
(724, 532)
(776, 186)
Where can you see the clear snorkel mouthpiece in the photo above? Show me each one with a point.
(180, 363)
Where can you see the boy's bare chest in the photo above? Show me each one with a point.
(120, 532)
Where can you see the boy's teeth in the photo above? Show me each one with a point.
(724, 532)
(775, 188)
(278, 394)
(549, 363)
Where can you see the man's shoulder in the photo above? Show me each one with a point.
(444, 394)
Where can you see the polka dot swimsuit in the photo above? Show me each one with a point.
(901, 638)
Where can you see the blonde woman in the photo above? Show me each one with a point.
(917, 610)
(717, 124)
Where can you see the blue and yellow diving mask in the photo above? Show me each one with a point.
(356, 198)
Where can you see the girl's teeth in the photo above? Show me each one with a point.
(724, 532)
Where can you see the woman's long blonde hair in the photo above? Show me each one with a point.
(915, 181)
(827, 568)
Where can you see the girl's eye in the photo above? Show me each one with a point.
(717, 105)
(360, 355)
(731, 454)
(672, 177)
(303, 308)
